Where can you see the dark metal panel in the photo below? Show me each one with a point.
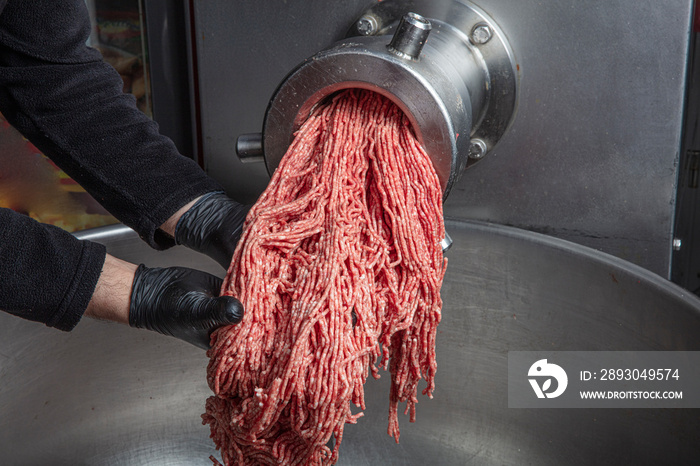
(244, 50)
(168, 53)
(686, 249)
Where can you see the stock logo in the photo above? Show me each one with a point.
(544, 372)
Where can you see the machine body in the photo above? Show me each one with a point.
(591, 154)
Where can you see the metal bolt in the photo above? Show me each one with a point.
(367, 25)
(481, 33)
(677, 243)
(477, 149)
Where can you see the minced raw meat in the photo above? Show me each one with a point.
(339, 259)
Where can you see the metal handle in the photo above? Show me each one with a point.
(249, 147)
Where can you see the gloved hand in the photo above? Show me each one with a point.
(213, 226)
(181, 302)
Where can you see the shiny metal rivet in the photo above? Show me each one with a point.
(677, 243)
(367, 25)
(481, 34)
(477, 149)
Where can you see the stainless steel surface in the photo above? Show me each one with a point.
(453, 90)
(464, 29)
(420, 88)
(106, 394)
(591, 155)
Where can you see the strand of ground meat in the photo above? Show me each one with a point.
(339, 260)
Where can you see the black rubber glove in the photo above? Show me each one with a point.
(212, 226)
(182, 303)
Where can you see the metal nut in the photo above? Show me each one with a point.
(477, 149)
(481, 34)
(367, 25)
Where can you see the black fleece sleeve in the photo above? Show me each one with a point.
(69, 103)
(61, 95)
(47, 274)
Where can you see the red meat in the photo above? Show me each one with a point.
(348, 230)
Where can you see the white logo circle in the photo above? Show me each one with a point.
(547, 371)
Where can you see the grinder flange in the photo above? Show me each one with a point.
(458, 87)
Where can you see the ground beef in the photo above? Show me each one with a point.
(339, 259)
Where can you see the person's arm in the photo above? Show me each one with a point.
(175, 301)
(112, 295)
(69, 103)
(65, 99)
(50, 276)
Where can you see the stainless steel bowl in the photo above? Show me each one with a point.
(105, 394)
